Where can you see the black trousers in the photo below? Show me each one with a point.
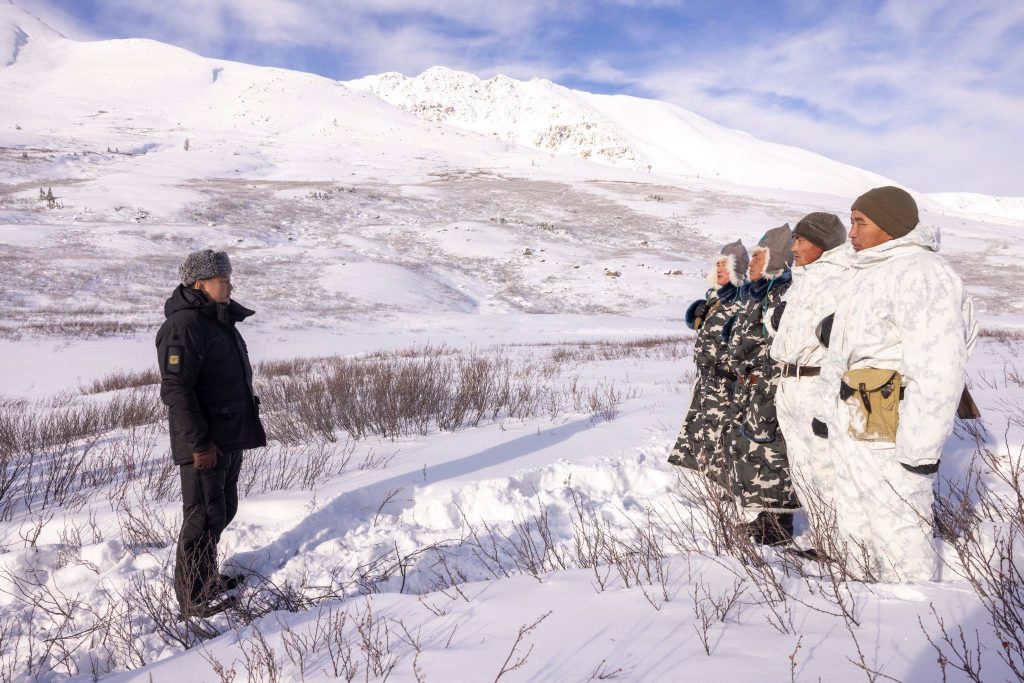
(209, 500)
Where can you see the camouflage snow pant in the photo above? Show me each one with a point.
(757, 449)
(699, 445)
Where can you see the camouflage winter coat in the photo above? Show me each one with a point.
(754, 444)
(699, 445)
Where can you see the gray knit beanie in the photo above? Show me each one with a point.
(740, 260)
(823, 230)
(779, 242)
(203, 265)
(890, 208)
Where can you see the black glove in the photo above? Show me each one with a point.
(921, 469)
(777, 315)
(695, 313)
(824, 330)
(727, 329)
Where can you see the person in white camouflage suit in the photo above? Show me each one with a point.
(903, 330)
(820, 253)
(699, 445)
(754, 444)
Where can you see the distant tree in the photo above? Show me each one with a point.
(49, 198)
(188, 144)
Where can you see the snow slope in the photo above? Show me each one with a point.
(361, 231)
(17, 28)
(629, 132)
(1010, 209)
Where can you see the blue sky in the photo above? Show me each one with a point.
(928, 92)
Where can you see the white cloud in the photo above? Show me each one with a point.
(910, 93)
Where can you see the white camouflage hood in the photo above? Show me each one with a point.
(923, 237)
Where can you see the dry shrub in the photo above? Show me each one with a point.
(412, 392)
(278, 468)
(642, 348)
(83, 329)
(50, 454)
(1002, 334)
(122, 379)
(982, 519)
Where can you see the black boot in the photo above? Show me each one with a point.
(225, 583)
(204, 609)
(771, 528)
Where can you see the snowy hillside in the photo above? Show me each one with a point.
(469, 346)
(624, 131)
(1009, 209)
(16, 27)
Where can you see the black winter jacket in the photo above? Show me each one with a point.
(206, 378)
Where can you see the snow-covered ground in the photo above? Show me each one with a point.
(549, 532)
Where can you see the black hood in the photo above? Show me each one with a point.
(183, 298)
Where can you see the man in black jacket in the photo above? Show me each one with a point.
(206, 383)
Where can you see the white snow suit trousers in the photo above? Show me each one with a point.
(797, 402)
(880, 502)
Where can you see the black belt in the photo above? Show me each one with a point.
(799, 370)
(725, 374)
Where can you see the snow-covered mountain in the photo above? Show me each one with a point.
(152, 84)
(145, 84)
(16, 28)
(999, 209)
(625, 131)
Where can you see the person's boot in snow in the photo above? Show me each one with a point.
(228, 582)
(204, 609)
(771, 528)
(809, 554)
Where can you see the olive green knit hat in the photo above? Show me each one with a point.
(823, 230)
(890, 208)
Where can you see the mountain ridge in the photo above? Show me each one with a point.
(641, 135)
(619, 130)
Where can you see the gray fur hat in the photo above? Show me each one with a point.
(778, 243)
(203, 265)
(738, 259)
(823, 230)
